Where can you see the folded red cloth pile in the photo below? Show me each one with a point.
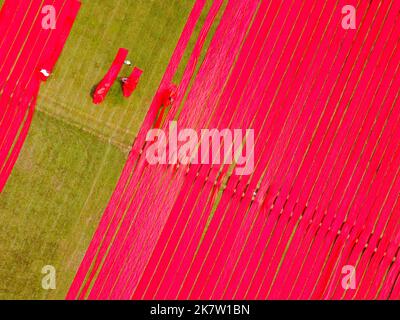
(130, 83)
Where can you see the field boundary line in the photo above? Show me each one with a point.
(125, 148)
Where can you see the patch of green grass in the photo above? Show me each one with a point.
(51, 206)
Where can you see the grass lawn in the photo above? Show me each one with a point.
(51, 205)
(149, 29)
(75, 151)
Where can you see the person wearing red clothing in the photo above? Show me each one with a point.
(168, 97)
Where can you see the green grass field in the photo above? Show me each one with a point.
(149, 29)
(75, 151)
(51, 205)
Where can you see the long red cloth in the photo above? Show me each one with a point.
(105, 84)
